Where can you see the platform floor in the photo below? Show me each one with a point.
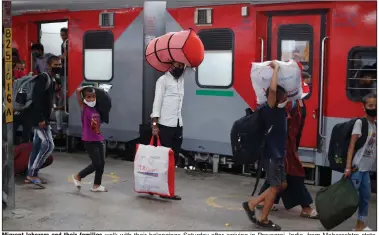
(210, 202)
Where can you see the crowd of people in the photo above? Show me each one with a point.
(284, 170)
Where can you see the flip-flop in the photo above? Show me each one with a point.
(27, 181)
(77, 183)
(37, 183)
(312, 215)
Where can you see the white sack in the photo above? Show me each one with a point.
(153, 168)
(289, 77)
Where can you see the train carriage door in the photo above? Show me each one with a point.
(298, 37)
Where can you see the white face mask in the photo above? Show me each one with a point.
(90, 104)
(282, 105)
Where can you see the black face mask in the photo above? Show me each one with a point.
(177, 72)
(56, 70)
(371, 112)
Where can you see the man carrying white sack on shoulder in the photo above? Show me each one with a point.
(166, 117)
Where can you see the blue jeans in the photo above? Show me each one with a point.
(43, 146)
(361, 181)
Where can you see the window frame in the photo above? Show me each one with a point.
(297, 37)
(83, 51)
(233, 47)
(350, 55)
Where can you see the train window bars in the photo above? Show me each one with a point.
(217, 69)
(98, 58)
(361, 72)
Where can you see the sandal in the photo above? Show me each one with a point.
(77, 183)
(176, 197)
(269, 225)
(36, 182)
(312, 215)
(250, 213)
(101, 188)
(27, 181)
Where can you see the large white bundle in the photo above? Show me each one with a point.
(289, 77)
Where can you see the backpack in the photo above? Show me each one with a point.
(340, 141)
(23, 91)
(248, 140)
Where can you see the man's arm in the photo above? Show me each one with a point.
(356, 133)
(271, 99)
(158, 99)
(38, 96)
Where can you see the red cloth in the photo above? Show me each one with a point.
(305, 88)
(293, 164)
(19, 74)
(21, 158)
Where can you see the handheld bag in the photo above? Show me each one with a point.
(154, 169)
(336, 203)
(289, 77)
(184, 47)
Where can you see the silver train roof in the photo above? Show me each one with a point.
(19, 6)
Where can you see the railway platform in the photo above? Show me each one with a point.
(210, 202)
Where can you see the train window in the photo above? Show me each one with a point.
(216, 71)
(298, 51)
(361, 72)
(98, 55)
(296, 43)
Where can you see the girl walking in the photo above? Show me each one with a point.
(92, 138)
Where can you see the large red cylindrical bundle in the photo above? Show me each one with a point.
(184, 47)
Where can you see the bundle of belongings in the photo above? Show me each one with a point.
(184, 47)
(103, 102)
(289, 77)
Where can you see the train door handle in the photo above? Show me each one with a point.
(314, 113)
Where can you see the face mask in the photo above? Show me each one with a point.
(56, 70)
(177, 72)
(90, 103)
(371, 112)
(282, 105)
(36, 54)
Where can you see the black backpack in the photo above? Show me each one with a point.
(340, 141)
(247, 138)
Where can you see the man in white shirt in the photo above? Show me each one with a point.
(167, 111)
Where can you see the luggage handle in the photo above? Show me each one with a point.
(158, 141)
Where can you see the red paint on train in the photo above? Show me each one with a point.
(25, 32)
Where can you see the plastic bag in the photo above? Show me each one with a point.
(154, 170)
(289, 77)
